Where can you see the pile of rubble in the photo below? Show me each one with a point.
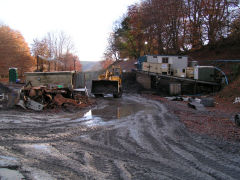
(195, 103)
(44, 97)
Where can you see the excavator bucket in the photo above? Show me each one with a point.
(104, 87)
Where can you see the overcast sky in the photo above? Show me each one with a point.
(88, 22)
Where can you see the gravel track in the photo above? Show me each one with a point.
(127, 138)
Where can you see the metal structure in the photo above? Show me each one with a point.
(175, 64)
(41, 61)
(156, 78)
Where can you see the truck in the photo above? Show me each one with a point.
(108, 83)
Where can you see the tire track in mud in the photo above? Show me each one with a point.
(147, 144)
(177, 131)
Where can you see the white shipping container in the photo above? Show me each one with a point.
(159, 68)
(190, 72)
(152, 59)
(180, 73)
(159, 59)
(164, 66)
(154, 67)
(172, 63)
(149, 58)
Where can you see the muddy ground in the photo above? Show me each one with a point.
(217, 121)
(128, 138)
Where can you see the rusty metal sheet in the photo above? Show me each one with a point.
(60, 100)
(34, 105)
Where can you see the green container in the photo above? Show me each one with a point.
(13, 75)
(206, 74)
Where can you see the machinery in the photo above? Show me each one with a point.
(108, 83)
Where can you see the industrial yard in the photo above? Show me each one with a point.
(52, 127)
(125, 89)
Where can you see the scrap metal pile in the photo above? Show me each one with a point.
(42, 97)
(4, 91)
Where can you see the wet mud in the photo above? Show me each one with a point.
(127, 138)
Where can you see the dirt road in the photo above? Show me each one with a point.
(127, 138)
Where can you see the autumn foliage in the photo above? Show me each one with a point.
(106, 63)
(14, 52)
(172, 26)
(71, 62)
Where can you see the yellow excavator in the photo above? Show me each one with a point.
(108, 83)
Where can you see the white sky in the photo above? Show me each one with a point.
(88, 22)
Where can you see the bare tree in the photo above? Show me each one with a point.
(216, 15)
(59, 43)
(55, 45)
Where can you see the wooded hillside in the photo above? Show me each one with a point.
(14, 52)
(172, 27)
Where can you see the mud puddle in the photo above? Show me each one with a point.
(8, 174)
(8, 168)
(114, 110)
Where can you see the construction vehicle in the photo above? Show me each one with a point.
(108, 83)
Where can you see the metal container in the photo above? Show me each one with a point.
(178, 63)
(179, 73)
(150, 67)
(64, 79)
(159, 59)
(154, 67)
(190, 72)
(163, 68)
(174, 89)
(146, 66)
(204, 73)
(152, 59)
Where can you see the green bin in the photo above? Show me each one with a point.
(13, 75)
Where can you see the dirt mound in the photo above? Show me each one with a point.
(227, 49)
(129, 83)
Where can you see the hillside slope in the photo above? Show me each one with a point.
(90, 66)
(226, 49)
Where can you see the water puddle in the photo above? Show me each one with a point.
(114, 110)
(6, 161)
(88, 115)
(42, 148)
(10, 174)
